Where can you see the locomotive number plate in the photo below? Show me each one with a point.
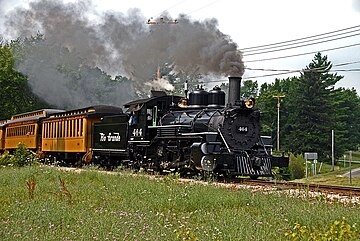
(242, 129)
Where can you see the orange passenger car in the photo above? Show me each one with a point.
(68, 135)
(26, 128)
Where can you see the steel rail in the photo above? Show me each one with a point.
(347, 190)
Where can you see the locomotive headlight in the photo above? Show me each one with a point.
(208, 163)
(250, 103)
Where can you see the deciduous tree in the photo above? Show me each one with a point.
(16, 95)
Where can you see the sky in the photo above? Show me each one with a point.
(250, 23)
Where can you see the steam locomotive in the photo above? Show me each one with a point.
(160, 133)
(199, 134)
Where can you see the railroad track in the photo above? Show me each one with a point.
(332, 189)
(280, 185)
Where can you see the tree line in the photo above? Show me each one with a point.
(311, 109)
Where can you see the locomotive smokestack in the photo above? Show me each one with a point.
(234, 89)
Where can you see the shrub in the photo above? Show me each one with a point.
(339, 230)
(5, 159)
(22, 156)
(296, 166)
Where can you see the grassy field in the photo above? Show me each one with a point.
(335, 177)
(355, 156)
(42, 203)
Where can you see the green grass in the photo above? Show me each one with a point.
(332, 178)
(327, 176)
(355, 156)
(100, 206)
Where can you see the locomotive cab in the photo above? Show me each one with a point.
(145, 114)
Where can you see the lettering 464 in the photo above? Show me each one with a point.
(242, 129)
(137, 132)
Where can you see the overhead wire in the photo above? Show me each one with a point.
(280, 70)
(345, 70)
(294, 40)
(289, 71)
(295, 55)
(277, 74)
(303, 45)
(299, 42)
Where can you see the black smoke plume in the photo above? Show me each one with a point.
(118, 43)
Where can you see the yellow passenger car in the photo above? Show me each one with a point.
(68, 135)
(26, 128)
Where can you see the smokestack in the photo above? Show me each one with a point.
(234, 89)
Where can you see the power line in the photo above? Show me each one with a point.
(288, 72)
(250, 77)
(345, 70)
(288, 41)
(299, 42)
(320, 69)
(268, 75)
(295, 55)
(282, 70)
(347, 63)
(303, 45)
(276, 74)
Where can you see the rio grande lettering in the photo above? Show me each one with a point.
(110, 137)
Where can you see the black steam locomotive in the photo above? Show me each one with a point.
(172, 133)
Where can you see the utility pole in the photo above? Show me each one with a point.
(278, 120)
(332, 151)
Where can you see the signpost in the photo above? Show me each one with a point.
(310, 156)
(350, 160)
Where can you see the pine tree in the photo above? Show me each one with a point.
(347, 129)
(311, 103)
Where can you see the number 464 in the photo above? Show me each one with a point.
(137, 132)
